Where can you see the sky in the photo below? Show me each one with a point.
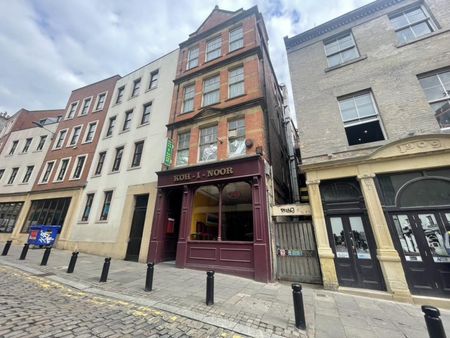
(50, 47)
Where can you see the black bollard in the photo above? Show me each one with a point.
(209, 287)
(6, 248)
(434, 323)
(73, 261)
(45, 256)
(149, 277)
(23, 255)
(105, 270)
(299, 311)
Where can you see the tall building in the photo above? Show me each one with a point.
(27, 140)
(372, 95)
(230, 161)
(116, 210)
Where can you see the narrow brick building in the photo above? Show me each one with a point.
(230, 159)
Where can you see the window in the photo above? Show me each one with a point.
(63, 169)
(48, 171)
(437, 90)
(146, 113)
(100, 101)
(208, 143)
(192, 58)
(2, 171)
(13, 175)
(154, 79)
(72, 109)
(28, 173)
(138, 146)
(341, 49)
(136, 86)
(127, 122)
(75, 136)
(236, 39)
(106, 206)
(188, 100)
(112, 123)
(236, 82)
(86, 104)
(120, 92)
(211, 90)
(412, 24)
(61, 137)
(41, 143)
(13, 147)
(87, 207)
(360, 118)
(117, 159)
(91, 132)
(213, 48)
(79, 167)
(236, 137)
(47, 212)
(27, 145)
(101, 161)
(183, 148)
(9, 212)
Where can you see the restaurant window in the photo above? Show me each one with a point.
(106, 206)
(236, 137)
(47, 212)
(9, 212)
(236, 82)
(183, 149)
(192, 58)
(229, 210)
(211, 90)
(236, 38)
(101, 161)
(213, 48)
(208, 144)
(341, 49)
(87, 207)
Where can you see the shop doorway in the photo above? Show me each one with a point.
(174, 204)
(137, 228)
(352, 242)
(419, 238)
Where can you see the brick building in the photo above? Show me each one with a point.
(230, 160)
(372, 95)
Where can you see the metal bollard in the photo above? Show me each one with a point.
(6, 248)
(23, 255)
(45, 256)
(149, 277)
(434, 323)
(73, 261)
(299, 310)
(209, 287)
(105, 270)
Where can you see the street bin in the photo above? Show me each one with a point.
(43, 235)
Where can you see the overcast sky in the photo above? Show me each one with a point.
(50, 47)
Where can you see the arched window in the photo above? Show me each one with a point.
(424, 192)
(338, 191)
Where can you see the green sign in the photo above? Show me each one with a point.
(169, 151)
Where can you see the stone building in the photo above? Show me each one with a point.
(372, 95)
(116, 210)
(230, 161)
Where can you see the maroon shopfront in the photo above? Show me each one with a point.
(214, 216)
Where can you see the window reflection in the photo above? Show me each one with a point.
(205, 214)
(339, 238)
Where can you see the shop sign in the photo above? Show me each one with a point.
(168, 153)
(194, 175)
(291, 210)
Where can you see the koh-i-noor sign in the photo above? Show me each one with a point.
(201, 174)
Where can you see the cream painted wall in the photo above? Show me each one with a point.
(112, 235)
(22, 160)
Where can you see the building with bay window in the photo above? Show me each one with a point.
(115, 214)
(230, 160)
(372, 95)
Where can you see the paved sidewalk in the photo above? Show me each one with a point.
(241, 305)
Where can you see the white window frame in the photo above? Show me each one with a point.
(341, 50)
(55, 179)
(90, 98)
(75, 105)
(72, 132)
(190, 58)
(209, 51)
(235, 81)
(14, 146)
(74, 167)
(232, 137)
(216, 141)
(153, 74)
(26, 172)
(41, 179)
(97, 101)
(241, 38)
(192, 85)
(29, 145)
(86, 132)
(11, 175)
(63, 140)
(42, 137)
(183, 149)
(209, 92)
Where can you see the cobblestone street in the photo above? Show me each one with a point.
(32, 306)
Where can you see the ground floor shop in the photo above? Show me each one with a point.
(380, 220)
(214, 216)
